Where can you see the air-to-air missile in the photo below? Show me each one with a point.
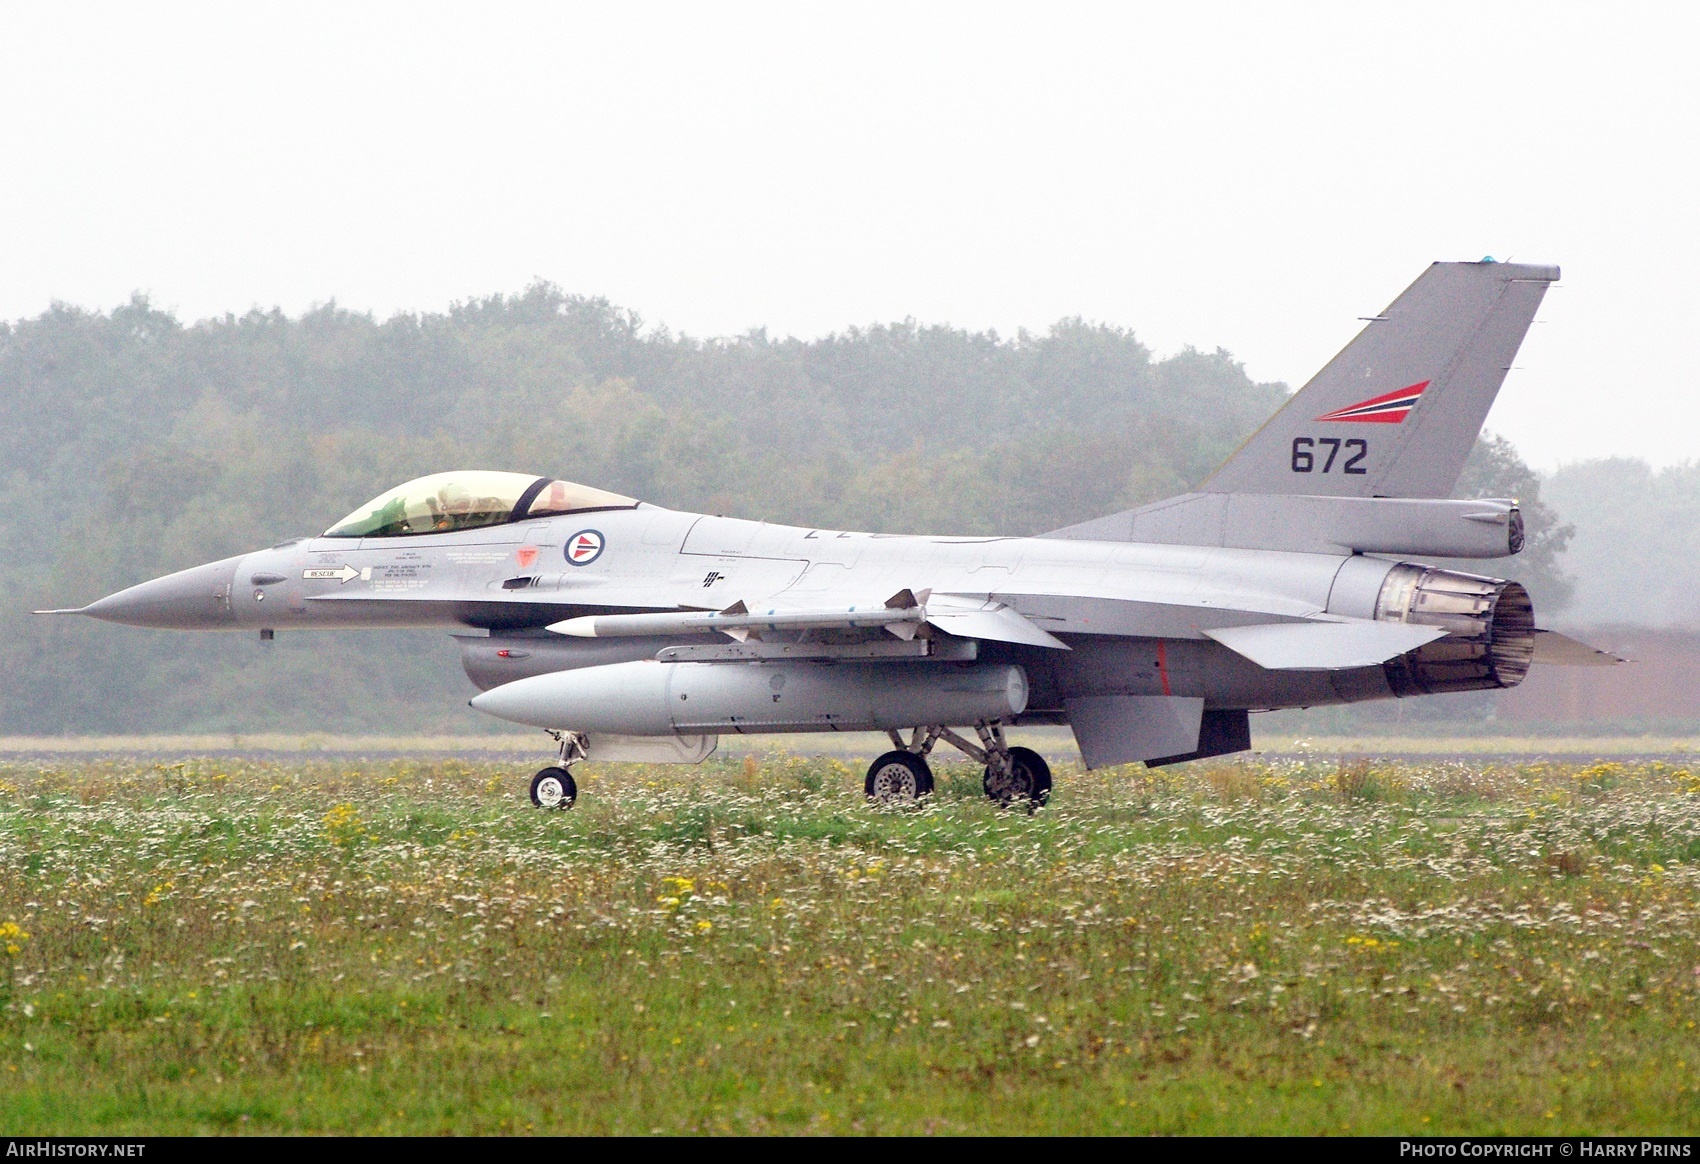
(631, 631)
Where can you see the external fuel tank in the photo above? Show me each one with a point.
(654, 698)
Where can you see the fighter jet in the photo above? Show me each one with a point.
(630, 631)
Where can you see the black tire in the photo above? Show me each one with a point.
(553, 788)
(898, 778)
(1029, 779)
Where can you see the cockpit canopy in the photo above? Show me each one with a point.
(468, 499)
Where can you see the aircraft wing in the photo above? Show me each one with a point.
(1097, 614)
(1030, 617)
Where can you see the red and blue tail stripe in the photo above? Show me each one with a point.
(1388, 408)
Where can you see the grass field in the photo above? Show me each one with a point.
(1056, 743)
(407, 946)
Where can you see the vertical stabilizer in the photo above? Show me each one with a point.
(1396, 413)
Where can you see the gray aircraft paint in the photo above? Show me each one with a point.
(1457, 329)
(1489, 528)
(1152, 632)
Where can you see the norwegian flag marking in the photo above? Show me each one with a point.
(584, 547)
(1388, 408)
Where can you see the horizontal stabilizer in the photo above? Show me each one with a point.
(1324, 646)
(1564, 651)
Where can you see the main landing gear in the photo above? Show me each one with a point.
(554, 786)
(1013, 775)
(901, 776)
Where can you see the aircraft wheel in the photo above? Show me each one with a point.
(553, 788)
(1029, 779)
(899, 778)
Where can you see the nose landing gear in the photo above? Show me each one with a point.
(554, 787)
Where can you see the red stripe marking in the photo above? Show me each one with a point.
(1373, 417)
(1412, 393)
(1163, 664)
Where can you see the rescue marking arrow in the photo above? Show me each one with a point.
(343, 574)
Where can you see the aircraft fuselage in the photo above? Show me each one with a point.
(1133, 616)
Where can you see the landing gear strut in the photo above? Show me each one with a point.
(1013, 775)
(1026, 776)
(554, 786)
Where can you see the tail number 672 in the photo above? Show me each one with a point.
(1318, 454)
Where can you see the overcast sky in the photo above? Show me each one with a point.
(1252, 177)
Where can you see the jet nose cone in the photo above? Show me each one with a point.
(194, 599)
